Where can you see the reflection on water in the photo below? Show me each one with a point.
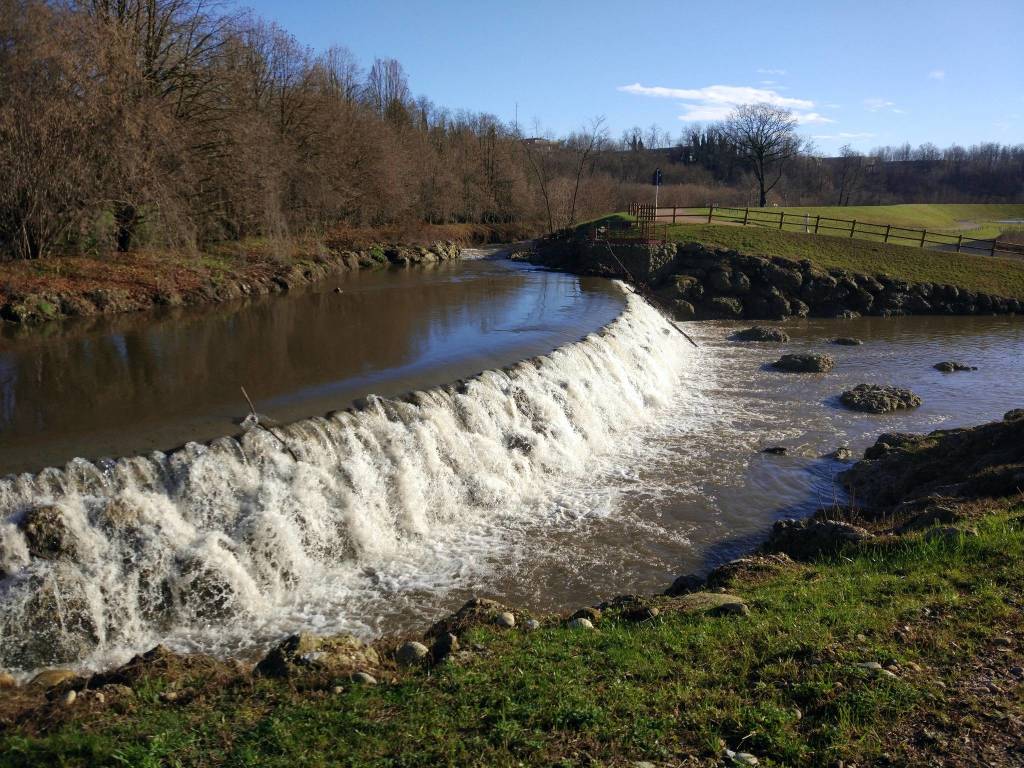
(134, 383)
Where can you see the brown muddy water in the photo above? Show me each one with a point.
(609, 465)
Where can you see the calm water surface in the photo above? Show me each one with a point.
(135, 383)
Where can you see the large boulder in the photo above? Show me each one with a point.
(874, 398)
(47, 533)
(804, 363)
(761, 333)
(810, 539)
(304, 653)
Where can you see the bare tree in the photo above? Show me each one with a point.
(851, 168)
(765, 137)
(585, 145)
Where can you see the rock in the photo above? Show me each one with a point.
(892, 441)
(411, 653)
(1016, 413)
(741, 758)
(847, 341)
(686, 583)
(363, 678)
(761, 333)
(776, 450)
(70, 697)
(751, 569)
(591, 614)
(303, 653)
(683, 310)
(443, 647)
(641, 613)
(842, 453)
(531, 625)
(51, 678)
(873, 398)
(7, 681)
(477, 612)
(951, 366)
(808, 539)
(722, 308)
(118, 691)
(713, 603)
(804, 363)
(580, 624)
(505, 619)
(47, 533)
(937, 514)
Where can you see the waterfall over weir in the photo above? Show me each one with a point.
(225, 546)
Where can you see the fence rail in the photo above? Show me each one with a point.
(804, 222)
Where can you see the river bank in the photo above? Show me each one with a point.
(721, 272)
(887, 633)
(33, 292)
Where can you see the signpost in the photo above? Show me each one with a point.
(656, 180)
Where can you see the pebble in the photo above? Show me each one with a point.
(364, 678)
(872, 665)
(741, 758)
(505, 619)
(411, 653)
(69, 698)
(581, 624)
(338, 689)
(531, 624)
(7, 681)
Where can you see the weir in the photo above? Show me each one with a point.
(222, 546)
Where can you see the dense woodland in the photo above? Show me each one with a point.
(130, 123)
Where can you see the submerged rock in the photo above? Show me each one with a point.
(47, 533)
(808, 539)
(847, 341)
(761, 333)
(950, 366)
(776, 450)
(804, 363)
(842, 453)
(873, 398)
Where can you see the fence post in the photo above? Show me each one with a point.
(887, 228)
(782, 218)
(959, 243)
(711, 210)
(853, 228)
(746, 216)
(994, 243)
(924, 233)
(673, 214)
(817, 221)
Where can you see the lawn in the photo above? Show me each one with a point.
(997, 275)
(784, 683)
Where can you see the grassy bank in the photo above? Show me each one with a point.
(785, 683)
(1001, 276)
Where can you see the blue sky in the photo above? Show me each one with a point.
(866, 73)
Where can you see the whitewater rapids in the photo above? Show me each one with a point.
(226, 546)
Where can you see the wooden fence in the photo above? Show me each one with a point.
(803, 222)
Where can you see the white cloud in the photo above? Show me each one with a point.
(730, 95)
(877, 105)
(715, 102)
(764, 71)
(937, 74)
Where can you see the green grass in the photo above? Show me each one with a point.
(997, 275)
(782, 683)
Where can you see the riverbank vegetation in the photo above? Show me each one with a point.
(900, 651)
(174, 124)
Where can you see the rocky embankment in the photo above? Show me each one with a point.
(697, 282)
(88, 298)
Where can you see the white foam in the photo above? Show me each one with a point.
(221, 547)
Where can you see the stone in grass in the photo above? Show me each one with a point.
(847, 341)
(505, 619)
(593, 615)
(741, 758)
(580, 624)
(808, 362)
(411, 653)
(951, 366)
(874, 398)
(686, 583)
(761, 333)
(531, 624)
(364, 678)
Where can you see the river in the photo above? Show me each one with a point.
(595, 466)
